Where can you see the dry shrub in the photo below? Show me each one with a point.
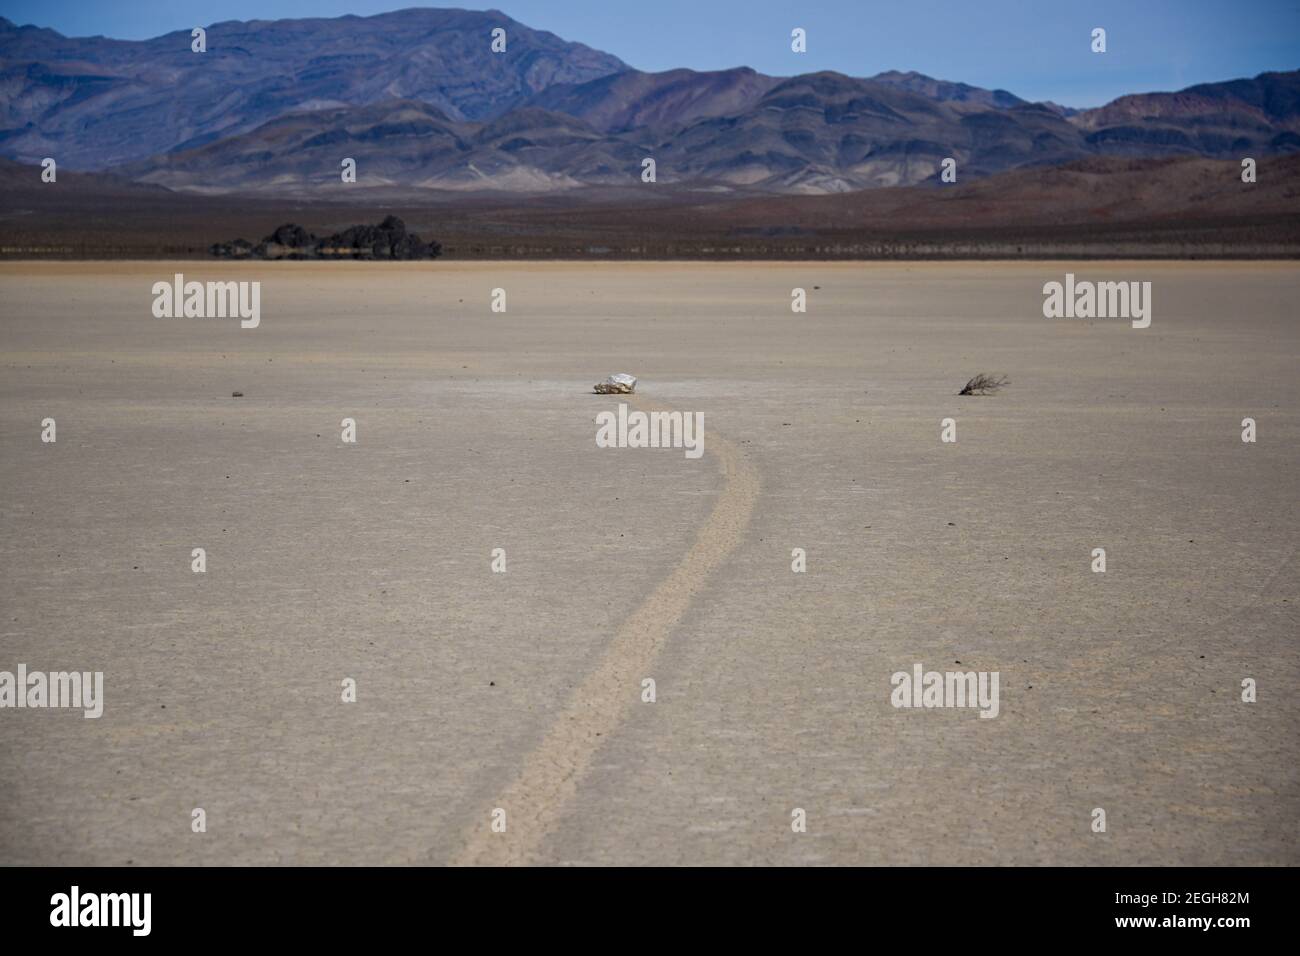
(983, 384)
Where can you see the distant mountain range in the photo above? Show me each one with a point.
(421, 102)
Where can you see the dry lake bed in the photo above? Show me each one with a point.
(366, 568)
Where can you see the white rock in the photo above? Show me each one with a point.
(619, 384)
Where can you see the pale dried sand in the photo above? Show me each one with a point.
(522, 691)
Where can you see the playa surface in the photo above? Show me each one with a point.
(522, 690)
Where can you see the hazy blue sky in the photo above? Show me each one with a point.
(1037, 49)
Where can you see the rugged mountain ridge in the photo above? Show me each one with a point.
(418, 99)
(816, 133)
(97, 103)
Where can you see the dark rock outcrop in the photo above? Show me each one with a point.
(388, 240)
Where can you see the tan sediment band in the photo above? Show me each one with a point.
(551, 773)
